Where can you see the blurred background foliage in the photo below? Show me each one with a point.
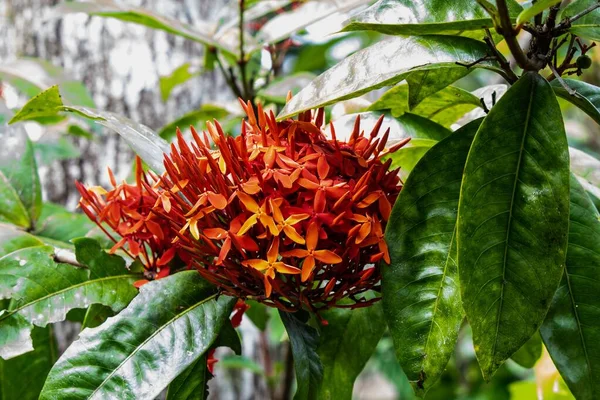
(166, 81)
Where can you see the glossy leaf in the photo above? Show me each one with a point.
(145, 142)
(588, 26)
(421, 297)
(22, 377)
(513, 220)
(20, 188)
(424, 17)
(445, 106)
(423, 84)
(346, 344)
(572, 326)
(385, 63)
(592, 191)
(33, 75)
(285, 24)
(535, 9)
(192, 383)
(258, 314)
(12, 239)
(169, 325)
(531, 351)
(202, 31)
(587, 97)
(196, 118)
(43, 290)
(304, 341)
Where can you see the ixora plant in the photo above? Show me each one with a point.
(348, 231)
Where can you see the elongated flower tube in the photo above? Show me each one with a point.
(282, 213)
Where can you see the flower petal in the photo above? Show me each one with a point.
(273, 252)
(293, 234)
(307, 267)
(217, 200)
(248, 202)
(285, 268)
(248, 224)
(259, 265)
(215, 233)
(312, 236)
(327, 256)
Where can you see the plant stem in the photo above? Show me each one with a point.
(511, 38)
(510, 76)
(230, 79)
(242, 61)
(566, 24)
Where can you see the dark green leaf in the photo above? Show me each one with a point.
(416, 126)
(304, 340)
(43, 290)
(346, 344)
(423, 17)
(96, 315)
(192, 383)
(445, 106)
(32, 75)
(22, 377)
(197, 118)
(587, 97)
(180, 75)
(588, 26)
(385, 63)
(168, 326)
(258, 314)
(572, 326)
(145, 142)
(513, 220)
(421, 297)
(202, 31)
(423, 84)
(592, 191)
(531, 351)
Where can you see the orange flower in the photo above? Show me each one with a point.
(281, 213)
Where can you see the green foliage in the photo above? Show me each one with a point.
(571, 328)
(534, 10)
(168, 326)
(304, 341)
(196, 118)
(513, 220)
(587, 27)
(179, 76)
(346, 344)
(586, 96)
(531, 351)
(422, 229)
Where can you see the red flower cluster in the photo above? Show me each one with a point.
(281, 213)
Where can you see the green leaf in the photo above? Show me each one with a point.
(572, 325)
(531, 351)
(96, 315)
(408, 156)
(192, 383)
(383, 64)
(20, 188)
(43, 290)
(23, 377)
(285, 24)
(535, 9)
(32, 75)
(202, 31)
(258, 314)
(587, 27)
(57, 223)
(420, 291)
(242, 363)
(424, 17)
(180, 75)
(513, 220)
(346, 344)
(423, 84)
(166, 328)
(304, 341)
(587, 97)
(591, 190)
(145, 142)
(12, 239)
(198, 118)
(445, 106)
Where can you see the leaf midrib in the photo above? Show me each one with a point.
(156, 332)
(510, 217)
(63, 291)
